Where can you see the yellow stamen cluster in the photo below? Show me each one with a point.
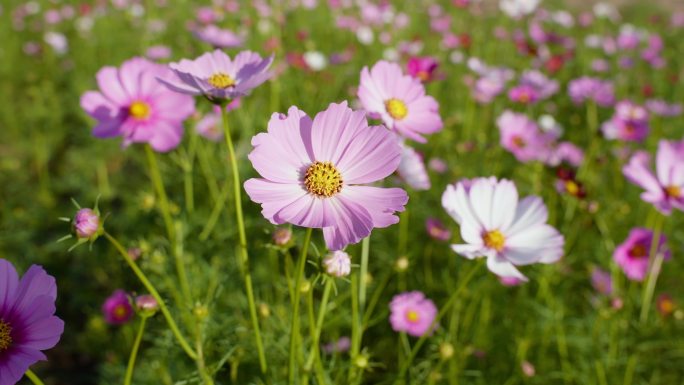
(572, 187)
(5, 336)
(323, 179)
(494, 240)
(412, 316)
(139, 110)
(396, 109)
(673, 191)
(221, 80)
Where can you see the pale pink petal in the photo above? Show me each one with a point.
(381, 203)
(352, 224)
(504, 203)
(273, 196)
(531, 211)
(503, 268)
(110, 85)
(373, 154)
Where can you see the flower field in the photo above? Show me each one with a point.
(341, 192)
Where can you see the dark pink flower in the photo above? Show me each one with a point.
(633, 255)
(117, 309)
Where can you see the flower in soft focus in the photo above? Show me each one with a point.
(399, 100)
(158, 52)
(210, 125)
(412, 169)
(528, 369)
(218, 77)
(57, 41)
(533, 86)
(588, 88)
(423, 68)
(662, 108)
(629, 123)
(131, 103)
(511, 281)
(438, 165)
(601, 281)
(665, 305)
(494, 224)
(87, 223)
(282, 236)
(665, 188)
(633, 255)
(412, 313)
(436, 229)
(518, 8)
(521, 136)
(218, 38)
(117, 308)
(340, 346)
(28, 324)
(524, 94)
(567, 183)
(315, 60)
(146, 304)
(313, 173)
(337, 264)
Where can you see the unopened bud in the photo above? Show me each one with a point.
(337, 264)
(86, 223)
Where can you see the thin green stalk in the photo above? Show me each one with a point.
(32, 376)
(314, 353)
(365, 250)
(655, 263)
(188, 180)
(356, 328)
(215, 213)
(294, 327)
(421, 341)
(205, 166)
(134, 352)
(244, 256)
(153, 291)
(165, 209)
(201, 366)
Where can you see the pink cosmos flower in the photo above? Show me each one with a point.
(524, 93)
(132, 104)
(218, 77)
(629, 123)
(219, 38)
(399, 100)
(422, 68)
(412, 169)
(436, 229)
(117, 308)
(601, 281)
(665, 188)
(412, 313)
(521, 136)
(632, 255)
(494, 224)
(313, 172)
(210, 124)
(584, 88)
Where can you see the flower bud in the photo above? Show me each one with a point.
(146, 304)
(446, 351)
(86, 223)
(402, 264)
(282, 236)
(337, 264)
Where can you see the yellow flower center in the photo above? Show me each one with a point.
(323, 179)
(412, 316)
(120, 311)
(5, 336)
(666, 306)
(571, 187)
(494, 240)
(139, 110)
(423, 75)
(673, 191)
(221, 80)
(396, 109)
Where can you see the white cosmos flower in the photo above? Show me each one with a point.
(518, 8)
(494, 224)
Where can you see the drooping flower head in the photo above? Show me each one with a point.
(665, 188)
(399, 100)
(412, 313)
(313, 173)
(494, 224)
(218, 77)
(131, 103)
(633, 255)
(28, 323)
(117, 308)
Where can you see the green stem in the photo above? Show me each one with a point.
(356, 328)
(365, 250)
(462, 285)
(215, 213)
(201, 366)
(314, 353)
(32, 376)
(134, 352)
(294, 327)
(244, 256)
(153, 291)
(655, 263)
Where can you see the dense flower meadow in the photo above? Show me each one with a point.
(341, 192)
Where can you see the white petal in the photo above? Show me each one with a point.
(531, 211)
(503, 268)
(504, 204)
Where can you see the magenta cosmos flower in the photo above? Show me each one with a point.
(132, 104)
(313, 172)
(522, 137)
(665, 188)
(117, 308)
(218, 77)
(412, 313)
(495, 225)
(28, 323)
(422, 68)
(399, 100)
(632, 255)
(629, 123)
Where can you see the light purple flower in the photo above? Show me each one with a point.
(495, 225)
(601, 281)
(412, 169)
(523, 93)
(665, 188)
(158, 52)
(521, 136)
(629, 123)
(219, 38)
(27, 321)
(314, 171)
(436, 229)
(632, 255)
(399, 100)
(218, 77)
(117, 308)
(662, 108)
(132, 104)
(588, 88)
(412, 313)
